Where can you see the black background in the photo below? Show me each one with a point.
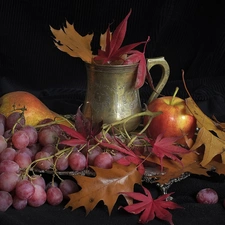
(190, 34)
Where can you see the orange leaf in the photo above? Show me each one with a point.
(213, 146)
(202, 119)
(218, 124)
(105, 186)
(103, 40)
(70, 41)
(191, 164)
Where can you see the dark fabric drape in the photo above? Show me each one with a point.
(190, 34)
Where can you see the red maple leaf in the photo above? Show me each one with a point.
(75, 138)
(114, 51)
(165, 146)
(129, 158)
(149, 208)
(85, 126)
(83, 131)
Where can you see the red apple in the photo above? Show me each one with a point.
(175, 121)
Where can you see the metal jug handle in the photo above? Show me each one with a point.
(164, 77)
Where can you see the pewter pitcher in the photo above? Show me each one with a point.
(111, 95)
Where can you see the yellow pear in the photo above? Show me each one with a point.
(35, 110)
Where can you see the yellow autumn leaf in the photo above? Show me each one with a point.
(202, 119)
(103, 40)
(68, 40)
(213, 146)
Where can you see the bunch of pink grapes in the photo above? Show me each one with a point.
(24, 148)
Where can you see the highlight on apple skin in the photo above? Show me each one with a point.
(175, 120)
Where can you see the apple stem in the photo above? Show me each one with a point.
(174, 95)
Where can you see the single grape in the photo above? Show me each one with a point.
(138, 146)
(7, 134)
(23, 160)
(61, 162)
(38, 180)
(47, 136)
(8, 181)
(20, 139)
(62, 137)
(3, 143)
(54, 195)
(6, 200)
(103, 160)
(91, 153)
(8, 153)
(15, 118)
(38, 198)
(25, 150)
(9, 166)
(77, 161)
(51, 184)
(51, 149)
(207, 196)
(32, 134)
(24, 189)
(67, 187)
(34, 149)
(2, 119)
(105, 137)
(2, 128)
(19, 203)
(117, 155)
(56, 128)
(45, 162)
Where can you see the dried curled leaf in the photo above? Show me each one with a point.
(105, 186)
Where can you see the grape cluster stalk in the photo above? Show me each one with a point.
(25, 150)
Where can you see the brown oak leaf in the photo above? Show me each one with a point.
(202, 119)
(105, 186)
(191, 164)
(213, 146)
(218, 124)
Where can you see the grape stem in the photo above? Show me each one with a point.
(151, 115)
(53, 122)
(17, 122)
(57, 155)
